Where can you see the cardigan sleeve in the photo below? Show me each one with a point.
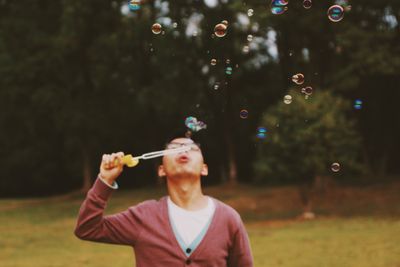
(240, 252)
(121, 228)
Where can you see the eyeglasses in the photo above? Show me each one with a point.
(193, 146)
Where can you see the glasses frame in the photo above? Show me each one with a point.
(193, 146)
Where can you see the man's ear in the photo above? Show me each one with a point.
(204, 170)
(161, 171)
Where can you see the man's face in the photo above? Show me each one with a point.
(190, 163)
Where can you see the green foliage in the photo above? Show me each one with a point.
(305, 137)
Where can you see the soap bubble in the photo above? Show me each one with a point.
(225, 22)
(220, 30)
(228, 61)
(358, 104)
(307, 4)
(287, 99)
(250, 12)
(244, 114)
(156, 28)
(134, 5)
(279, 6)
(194, 125)
(216, 86)
(213, 62)
(278, 10)
(245, 49)
(308, 90)
(228, 70)
(298, 78)
(261, 132)
(175, 25)
(280, 2)
(335, 167)
(335, 13)
(249, 37)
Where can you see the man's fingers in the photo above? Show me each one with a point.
(112, 160)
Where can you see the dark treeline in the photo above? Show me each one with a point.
(83, 78)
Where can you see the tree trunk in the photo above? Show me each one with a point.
(87, 174)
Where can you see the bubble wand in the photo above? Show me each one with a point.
(131, 161)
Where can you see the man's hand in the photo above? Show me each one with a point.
(111, 167)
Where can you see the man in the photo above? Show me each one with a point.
(185, 228)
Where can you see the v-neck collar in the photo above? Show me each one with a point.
(172, 236)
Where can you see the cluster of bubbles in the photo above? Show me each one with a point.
(261, 132)
(299, 80)
(134, 5)
(335, 12)
(335, 167)
(194, 125)
(221, 28)
(358, 104)
(279, 6)
(244, 114)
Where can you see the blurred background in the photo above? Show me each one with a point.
(83, 78)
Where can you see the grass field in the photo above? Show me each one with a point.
(354, 227)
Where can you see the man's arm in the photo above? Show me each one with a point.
(121, 228)
(240, 253)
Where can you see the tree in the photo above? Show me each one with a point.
(304, 139)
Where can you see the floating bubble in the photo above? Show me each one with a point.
(298, 78)
(308, 90)
(216, 86)
(244, 114)
(228, 70)
(245, 49)
(225, 22)
(335, 13)
(307, 4)
(250, 12)
(249, 37)
(335, 167)
(261, 135)
(287, 99)
(227, 61)
(279, 6)
(358, 104)
(193, 124)
(134, 5)
(280, 2)
(278, 10)
(220, 30)
(213, 62)
(175, 25)
(156, 28)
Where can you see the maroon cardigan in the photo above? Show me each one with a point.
(146, 227)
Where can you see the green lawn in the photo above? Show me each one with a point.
(356, 227)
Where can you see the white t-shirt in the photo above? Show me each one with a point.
(190, 223)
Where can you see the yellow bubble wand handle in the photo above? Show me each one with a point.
(131, 161)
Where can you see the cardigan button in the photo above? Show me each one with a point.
(188, 261)
(188, 250)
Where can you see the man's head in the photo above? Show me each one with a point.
(188, 164)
